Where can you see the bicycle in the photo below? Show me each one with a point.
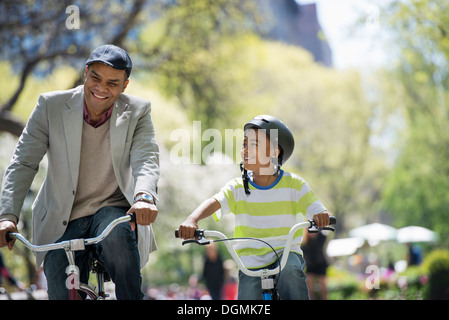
(70, 246)
(269, 291)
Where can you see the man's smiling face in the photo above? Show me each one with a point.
(102, 87)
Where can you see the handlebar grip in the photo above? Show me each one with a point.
(332, 220)
(133, 217)
(8, 237)
(199, 233)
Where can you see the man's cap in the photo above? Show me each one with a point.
(112, 56)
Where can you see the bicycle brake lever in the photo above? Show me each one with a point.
(200, 242)
(313, 229)
(316, 230)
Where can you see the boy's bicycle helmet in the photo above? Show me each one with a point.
(285, 141)
(284, 135)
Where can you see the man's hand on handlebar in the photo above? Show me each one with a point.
(5, 228)
(145, 213)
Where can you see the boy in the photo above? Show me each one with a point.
(266, 202)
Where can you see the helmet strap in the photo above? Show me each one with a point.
(245, 178)
(278, 169)
(277, 164)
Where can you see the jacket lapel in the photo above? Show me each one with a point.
(119, 123)
(72, 119)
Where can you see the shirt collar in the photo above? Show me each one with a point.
(250, 175)
(104, 117)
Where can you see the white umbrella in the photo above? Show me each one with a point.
(374, 233)
(416, 234)
(343, 247)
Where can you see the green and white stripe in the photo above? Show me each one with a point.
(267, 213)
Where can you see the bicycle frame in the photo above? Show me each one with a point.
(70, 246)
(265, 274)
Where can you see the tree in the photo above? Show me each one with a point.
(416, 191)
(193, 47)
(41, 34)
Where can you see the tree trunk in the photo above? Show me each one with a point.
(11, 124)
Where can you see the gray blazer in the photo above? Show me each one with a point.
(54, 128)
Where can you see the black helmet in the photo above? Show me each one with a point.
(284, 135)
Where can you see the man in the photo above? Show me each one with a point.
(103, 162)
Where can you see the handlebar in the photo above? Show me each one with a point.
(201, 235)
(74, 244)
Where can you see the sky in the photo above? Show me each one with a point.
(353, 47)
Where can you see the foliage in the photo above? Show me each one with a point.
(197, 45)
(436, 266)
(415, 192)
(426, 281)
(40, 35)
(343, 285)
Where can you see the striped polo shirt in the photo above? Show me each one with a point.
(267, 213)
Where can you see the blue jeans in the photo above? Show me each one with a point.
(291, 285)
(118, 251)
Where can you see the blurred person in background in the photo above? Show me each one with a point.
(316, 263)
(213, 272)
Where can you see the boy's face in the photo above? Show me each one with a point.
(258, 152)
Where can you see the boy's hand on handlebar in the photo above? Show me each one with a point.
(187, 229)
(321, 219)
(145, 213)
(5, 228)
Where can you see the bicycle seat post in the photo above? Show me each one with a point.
(97, 267)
